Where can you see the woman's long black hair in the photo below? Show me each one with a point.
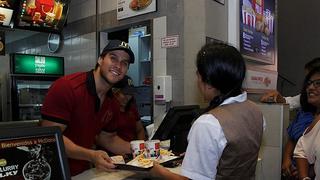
(305, 105)
(221, 66)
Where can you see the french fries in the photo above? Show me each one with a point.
(142, 160)
(164, 152)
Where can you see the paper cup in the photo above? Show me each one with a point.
(137, 147)
(153, 148)
(165, 144)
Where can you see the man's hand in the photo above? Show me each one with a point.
(113, 143)
(272, 97)
(102, 161)
(157, 170)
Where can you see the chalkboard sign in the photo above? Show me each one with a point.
(32, 153)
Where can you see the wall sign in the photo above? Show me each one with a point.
(259, 81)
(257, 35)
(131, 8)
(36, 64)
(170, 41)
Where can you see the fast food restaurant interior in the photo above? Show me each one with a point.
(275, 38)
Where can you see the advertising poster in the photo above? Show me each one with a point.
(257, 31)
(5, 16)
(30, 158)
(42, 15)
(260, 80)
(130, 8)
(6, 11)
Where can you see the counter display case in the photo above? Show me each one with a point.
(29, 95)
(273, 140)
(31, 77)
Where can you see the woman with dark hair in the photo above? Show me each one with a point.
(307, 149)
(224, 142)
(128, 125)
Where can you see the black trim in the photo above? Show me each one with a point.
(91, 83)
(91, 86)
(54, 119)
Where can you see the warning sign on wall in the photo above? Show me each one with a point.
(170, 41)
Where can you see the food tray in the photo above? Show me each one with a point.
(133, 165)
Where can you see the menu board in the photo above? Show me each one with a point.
(130, 8)
(35, 64)
(6, 12)
(5, 16)
(30, 158)
(257, 32)
(42, 15)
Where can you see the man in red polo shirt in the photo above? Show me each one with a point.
(81, 104)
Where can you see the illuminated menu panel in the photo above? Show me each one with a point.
(34, 64)
(42, 15)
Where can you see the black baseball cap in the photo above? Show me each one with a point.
(119, 45)
(126, 85)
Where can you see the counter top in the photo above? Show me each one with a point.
(93, 174)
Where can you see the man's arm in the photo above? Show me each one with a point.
(272, 96)
(100, 159)
(159, 171)
(112, 142)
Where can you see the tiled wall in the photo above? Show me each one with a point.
(194, 38)
(81, 9)
(159, 63)
(79, 44)
(180, 17)
(165, 61)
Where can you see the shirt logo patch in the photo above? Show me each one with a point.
(125, 45)
(107, 117)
